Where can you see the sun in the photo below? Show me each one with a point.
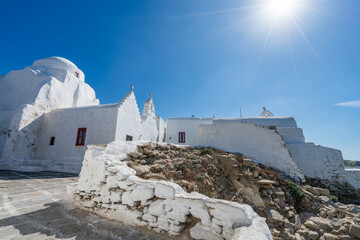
(282, 8)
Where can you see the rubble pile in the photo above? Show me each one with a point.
(293, 211)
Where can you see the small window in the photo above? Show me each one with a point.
(129, 138)
(52, 141)
(77, 74)
(181, 137)
(80, 139)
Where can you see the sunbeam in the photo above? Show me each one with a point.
(308, 43)
(232, 26)
(292, 56)
(263, 48)
(219, 12)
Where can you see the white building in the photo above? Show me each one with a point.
(273, 141)
(48, 116)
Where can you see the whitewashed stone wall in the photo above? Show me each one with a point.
(317, 161)
(280, 122)
(260, 143)
(323, 163)
(108, 187)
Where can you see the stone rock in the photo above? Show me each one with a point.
(167, 189)
(202, 232)
(127, 199)
(345, 237)
(323, 223)
(274, 217)
(111, 182)
(115, 197)
(312, 190)
(355, 209)
(157, 208)
(258, 230)
(202, 214)
(335, 223)
(322, 191)
(310, 224)
(142, 194)
(247, 162)
(298, 237)
(124, 173)
(329, 236)
(149, 217)
(141, 169)
(355, 230)
(134, 154)
(230, 214)
(313, 235)
(266, 182)
(163, 222)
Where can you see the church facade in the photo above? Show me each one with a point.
(53, 121)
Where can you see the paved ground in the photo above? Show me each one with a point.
(31, 208)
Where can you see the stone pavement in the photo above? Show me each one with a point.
(31, 208)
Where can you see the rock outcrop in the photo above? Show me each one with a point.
(109, 187)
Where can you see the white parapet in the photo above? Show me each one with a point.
(108, 187)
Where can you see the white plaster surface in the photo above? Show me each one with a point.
(148, 121)
(161, 125)
(187, 125)
(168, 211)
(260, 143)
(29, 93)
(264, 121)
(55, 103)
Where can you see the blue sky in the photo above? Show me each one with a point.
(205, 57)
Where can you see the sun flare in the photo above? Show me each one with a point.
(282, 8)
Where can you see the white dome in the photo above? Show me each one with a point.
(55, 62)
(59, 63)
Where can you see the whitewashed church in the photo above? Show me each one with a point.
(48, 115)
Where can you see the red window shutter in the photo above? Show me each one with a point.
(80, 139)
(181, 137)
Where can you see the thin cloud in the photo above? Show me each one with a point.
(353, 104)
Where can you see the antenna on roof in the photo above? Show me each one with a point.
(132, 87)
(240, 113)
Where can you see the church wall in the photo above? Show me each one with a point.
(128, 119)
(288, 122)
(161, 126)
(318, 161)
(5, 121)
(260, 143)
(292, 135)
(323, 163)
(187, 125)
(149, 129)
(63, 124)
(352, 176)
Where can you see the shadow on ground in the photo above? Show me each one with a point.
(15, 175)
(59, 220)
